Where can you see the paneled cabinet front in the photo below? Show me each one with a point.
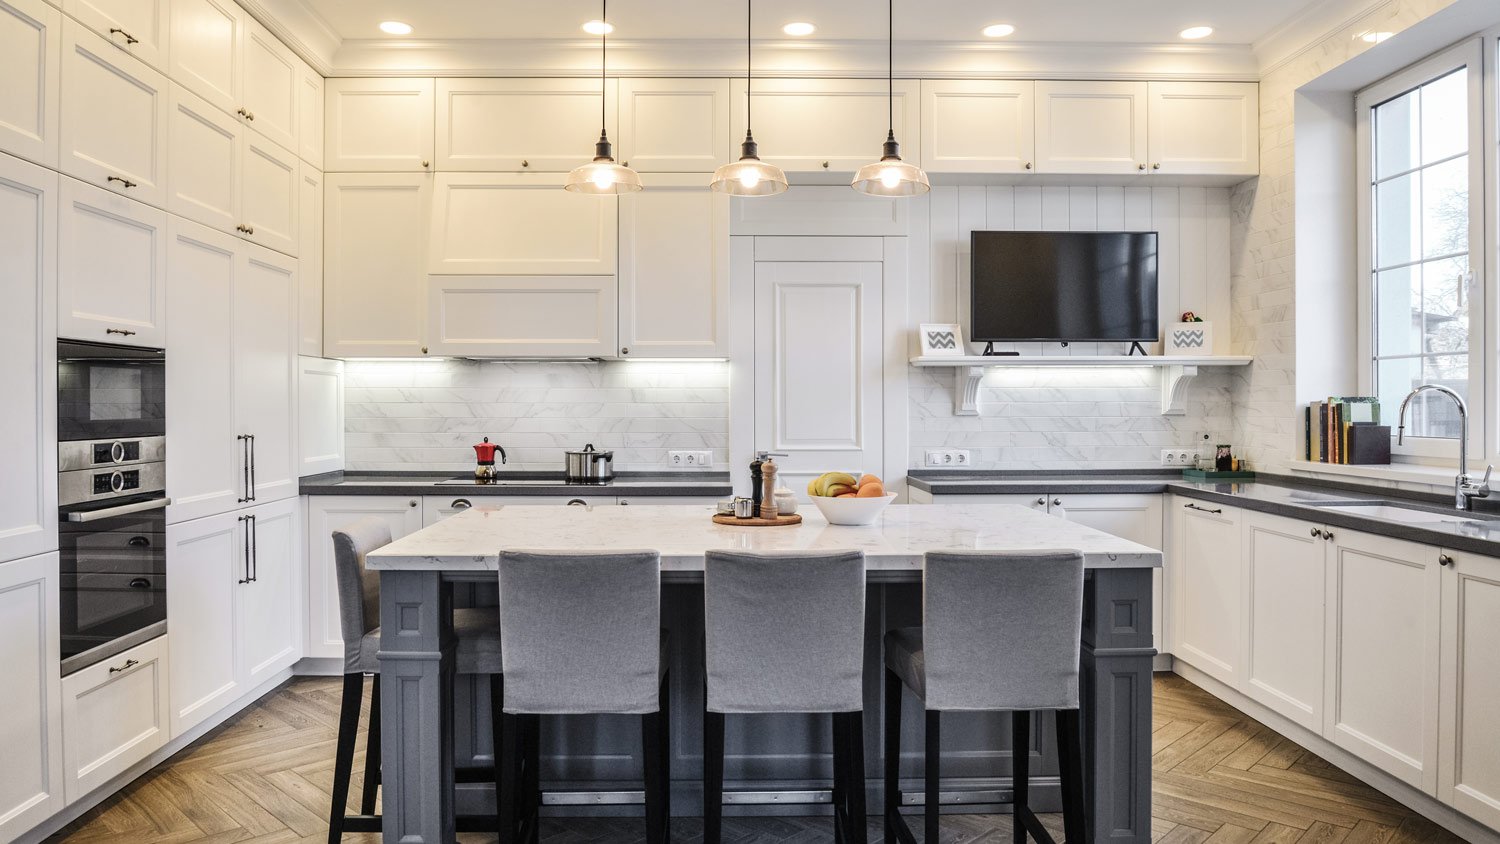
(978, 126)
(1204, 128)
(111, 267)
(271, 87)
(521, 125)
(675, 125)
(326, 514)
(375, 264)
(526, 224)
(523, 316)
(31, 780)
(378, 125)
(207, 53)
(139, 27)
(826, 125)
(114, 118)
(1095, 128)
(674, 270)
(1284, 586)
(310, 262)
(1469, 776)
(1209, 589)
(115, 714)
(31, 41)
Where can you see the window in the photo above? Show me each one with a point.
(1421, 245)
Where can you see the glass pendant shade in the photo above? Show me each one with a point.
(749, 176)
(602, 175)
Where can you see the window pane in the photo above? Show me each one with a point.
(1397, 221)
(1445, 305)
(1393, 380)
(1396, 138)
(1398, 312)
(1445, 116)
(1445, 208)
(1440, 414)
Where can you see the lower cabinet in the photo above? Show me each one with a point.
(1469, 773)
(326, 514)
(1137, 518)
(1208, 589)
(1284, 562)
(114, 714)
(31, 780)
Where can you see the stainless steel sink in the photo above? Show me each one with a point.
(1395, 513)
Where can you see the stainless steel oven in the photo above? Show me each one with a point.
(112, 500)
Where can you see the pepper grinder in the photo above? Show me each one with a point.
(768, 509)
(756, 466)
(760, 492)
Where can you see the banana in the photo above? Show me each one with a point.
(829, 480)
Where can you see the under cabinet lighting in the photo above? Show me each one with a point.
(395, 28)
(998, 30)
(1193, 33)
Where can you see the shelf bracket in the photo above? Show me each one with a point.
(966, 390)
(1174, 381)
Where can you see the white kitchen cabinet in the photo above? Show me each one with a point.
(268, 615)
(111, 267)
(320, 411)
(271, 192)
(1208, 586)
(265, 370)
(31, 44)
(310, 262)
(519, 224)
(207, 52)
(271, 87)
(375, 264)
(973, 126)
(1095, 128)
(207, 163)
(675, 125)
(31, 780)
(826, 125)
(1204, 128)
(1382, 639)
(378, 125)
(113, 130)
(435, 508)
(139, 27)
(115, 714)
(1284, 583)
(1469, 771)
(205, 564)
(523, 316)
(520, 125)
(28, 349)
(310, 115)
(326, 514)
(674, 270)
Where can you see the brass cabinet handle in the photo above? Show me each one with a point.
(129, 664)
(1028, 165)
(123, 332)
(129, 39)
(525, 163)
(1202, 509)
(1141, 167)
(1156, 166)
(248, 115)
(426, 163)
(124, 182)
(825, 165)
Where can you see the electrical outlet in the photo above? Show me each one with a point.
(1184, 458)
(947, 457)
(691, 459)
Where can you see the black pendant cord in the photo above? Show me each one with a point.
(749, 66)
(890, 66)
(603, 66)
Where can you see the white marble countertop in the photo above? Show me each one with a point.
(473, 539)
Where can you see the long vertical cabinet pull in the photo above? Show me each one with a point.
(254, 537)
(247, 521)
(245, 468)
(251, 491)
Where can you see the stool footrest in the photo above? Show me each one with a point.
(960, 798)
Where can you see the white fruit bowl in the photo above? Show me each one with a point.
(852, 511)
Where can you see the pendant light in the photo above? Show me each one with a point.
(890, 176)
(749, 176)
(602, 175)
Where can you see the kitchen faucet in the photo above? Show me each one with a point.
(1464, 489)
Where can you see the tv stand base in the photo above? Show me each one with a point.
(989, 352)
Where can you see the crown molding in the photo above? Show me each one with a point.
(301, 28)
(1309, 28)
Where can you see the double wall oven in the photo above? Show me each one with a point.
(111, 484)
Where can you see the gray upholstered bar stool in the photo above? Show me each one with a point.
(1000, 633)
(477, 632)
(785, 633)
(581, 634)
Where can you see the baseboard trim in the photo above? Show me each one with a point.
(1424, 804)
(76, 810)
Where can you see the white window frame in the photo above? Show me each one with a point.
(1470, 53)
(1490, 48)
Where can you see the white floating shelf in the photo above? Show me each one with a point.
(1177, 371)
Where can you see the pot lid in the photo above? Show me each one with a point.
(591, 452)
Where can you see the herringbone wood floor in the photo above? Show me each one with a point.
(1219, 777)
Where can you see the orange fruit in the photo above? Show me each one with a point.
(874, 489)
(846, 495)
(870, 479)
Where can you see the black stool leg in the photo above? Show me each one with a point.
(1020, 766)
(855, 778)
(497, 719)
(713, 777)
(1070, 750)
(531, 738)
(343, 759)
(840, 778)
(931, 804)
(372, 752)
(656, 820)
(892, 752)
(507, 767)
(664, 746)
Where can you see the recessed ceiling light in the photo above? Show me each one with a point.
(1193, 33)
(799, 28)
(998, 30)
(395, 28)
(1374, 37)
(598, 28)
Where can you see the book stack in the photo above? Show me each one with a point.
(1335, 431)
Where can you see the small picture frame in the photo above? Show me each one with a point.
(941, 339)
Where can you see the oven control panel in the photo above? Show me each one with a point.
(96, 470)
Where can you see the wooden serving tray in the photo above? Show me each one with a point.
(757, 521)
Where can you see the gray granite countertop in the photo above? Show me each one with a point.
(1296, 498)
(637, 484)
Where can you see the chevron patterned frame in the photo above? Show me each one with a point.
(941, 339)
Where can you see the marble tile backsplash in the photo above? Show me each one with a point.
(425, 415)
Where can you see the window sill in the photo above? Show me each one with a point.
(1438, 476)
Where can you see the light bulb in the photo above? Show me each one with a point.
(603, 177)
(749, 177)
(890, 177)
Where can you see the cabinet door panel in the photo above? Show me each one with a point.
(208, 49)
(31, 780)
(28, 349)
(271, 87)
(674, 125)
(1284, 608)
(674, 270)
(111, 268)
(114, 118)
(310, 120)
(1205, 128)
(265, 359)
(1209, 586)
(375, 264)
(138, 27)
(1470, 768)
(974, 126)
(30, 64)
(523, 316)
(320, 407)
(310, 262)
(378, 125)
(498, 224)
(114, 719)
(519, 125)
(206, 164)
(271, 191)
(326, 514)
(1091, 127)
(205, 562)
(269, 636)
(832, 126)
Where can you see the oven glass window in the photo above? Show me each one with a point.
(115, 393)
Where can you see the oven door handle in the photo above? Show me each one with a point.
(122, 510)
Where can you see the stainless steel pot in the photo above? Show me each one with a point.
(590, 466)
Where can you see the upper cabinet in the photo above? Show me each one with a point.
(522, 316)
(1095, 128)
(270, 190)
(270, 87)
(310, 118)
(674, 125)
(31, 41)
(817, 125)
(310, 263)
(375, 270)
(378, 125)
(674, 269)
(520, 125)
(1205, 128)
(138, 27)
(502, 224)
(111, 268)
(983, 126)
(207, 52)
(114, 118)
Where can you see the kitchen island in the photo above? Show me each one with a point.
(421, 737)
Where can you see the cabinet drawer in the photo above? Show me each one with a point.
(114, 715)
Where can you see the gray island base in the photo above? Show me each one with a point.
(591, 765)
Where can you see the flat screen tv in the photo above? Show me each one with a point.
(1063, 286)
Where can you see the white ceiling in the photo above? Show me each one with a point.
(1036, 21)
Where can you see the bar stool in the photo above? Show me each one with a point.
(784, 632)
(1000, 633)
(581, 635)
(477, 632)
